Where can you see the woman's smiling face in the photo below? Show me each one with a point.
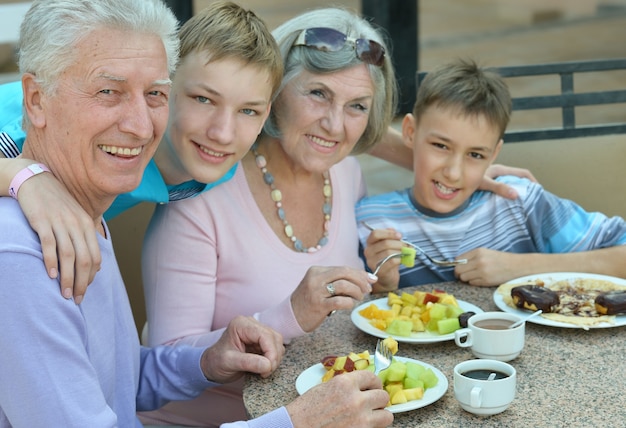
(321, 117)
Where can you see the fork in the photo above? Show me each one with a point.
(443, 263)
(382, 357)
(382, 262)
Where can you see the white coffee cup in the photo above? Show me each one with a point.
(479, 395)
(488, 336)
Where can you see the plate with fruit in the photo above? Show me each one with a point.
(411, 384)
(418, 317)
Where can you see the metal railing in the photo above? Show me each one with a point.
(567, 100)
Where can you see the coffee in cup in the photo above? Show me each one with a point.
(489, 336)
(484, 387)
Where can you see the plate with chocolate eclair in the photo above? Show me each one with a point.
(567, 299)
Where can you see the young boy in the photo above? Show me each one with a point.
(456, 132)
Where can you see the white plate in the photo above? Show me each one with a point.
(422, 337)
(548, 278)
(313, 376)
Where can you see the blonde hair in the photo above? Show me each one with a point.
(226, 30)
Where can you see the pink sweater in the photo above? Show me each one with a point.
(212, 257)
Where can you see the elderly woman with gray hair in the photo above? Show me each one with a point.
(279, 240)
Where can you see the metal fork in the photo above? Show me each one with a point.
(382, 357)
(443, 263)
(382, 262)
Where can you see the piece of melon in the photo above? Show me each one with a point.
(408, 256)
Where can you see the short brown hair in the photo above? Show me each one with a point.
(226, 30)
(464, 86)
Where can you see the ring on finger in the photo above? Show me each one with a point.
(330, 287)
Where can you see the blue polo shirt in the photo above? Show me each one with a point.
(152, 187)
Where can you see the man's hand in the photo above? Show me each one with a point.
(354, 399)
(501, 189)
(245, 346)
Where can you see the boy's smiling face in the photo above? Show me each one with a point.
(217, 109)
(451, 152)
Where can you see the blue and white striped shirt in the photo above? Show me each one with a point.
(536, 222)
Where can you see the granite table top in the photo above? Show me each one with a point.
(566, 376)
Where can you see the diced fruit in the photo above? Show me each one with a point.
(409, 383)
(399, 397)
(414, 370)
(404, 381)
(453, 311)
(328, 361)
(396, 371)
(422, 308)
(339, 363)
(408, 298)
(429, 378)
(393, 298)
(438, 311)
(429, 297)
(448, 325)
(448, 299)
(400, 327)
(361, 364)
(328, 375)
(413, 393)
(393, 387)
(419, 297)
(391, 344)
(418, 324)
(383, 376)
(408, 256)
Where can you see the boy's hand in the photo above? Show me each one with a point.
(501, 189)
(67, 233)
(488, 267)
(381, 243)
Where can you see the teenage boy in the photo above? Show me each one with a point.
(456, 132)
(228, 72)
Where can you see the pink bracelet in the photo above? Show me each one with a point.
(28, 172)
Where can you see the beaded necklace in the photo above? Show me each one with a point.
(277, 197)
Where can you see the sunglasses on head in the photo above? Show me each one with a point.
(328, 39)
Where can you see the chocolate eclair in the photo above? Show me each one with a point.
(534, 297)
(611, 303)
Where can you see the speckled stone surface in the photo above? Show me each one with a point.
(567, 377)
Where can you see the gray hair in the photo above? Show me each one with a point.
(298, 59)
(52, 28)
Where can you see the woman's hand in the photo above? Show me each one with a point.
(67, 233)
(327, 289)
(497, 170)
